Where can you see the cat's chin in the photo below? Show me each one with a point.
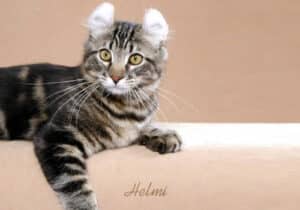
(117, 91)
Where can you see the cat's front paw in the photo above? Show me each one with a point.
(162, 141)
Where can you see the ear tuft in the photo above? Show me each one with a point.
(155, 27)
(101, 19)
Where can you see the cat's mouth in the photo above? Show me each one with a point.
(121, 87)
(118, 90)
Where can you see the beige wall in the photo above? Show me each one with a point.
(230, 60)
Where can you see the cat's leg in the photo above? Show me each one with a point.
(161, 141)
(63, 161)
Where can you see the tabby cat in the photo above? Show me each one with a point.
(107, 102)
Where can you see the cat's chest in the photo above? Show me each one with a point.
(127, 132)
(121, 125)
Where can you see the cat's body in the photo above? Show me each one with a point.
(44, 93)
(107, 102)
(23, 96)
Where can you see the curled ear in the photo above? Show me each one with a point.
(155, 27)
(101, 19)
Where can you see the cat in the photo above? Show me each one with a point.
(106, 102)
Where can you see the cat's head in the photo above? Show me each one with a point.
(125, 56)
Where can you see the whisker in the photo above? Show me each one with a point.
(53, 83)
(164, 116)
(84, 101)
(75, 104)
(69, 100)
(78, 102)
(66, 92)
(159, 110)
(60, 91)
(167, 99)
(186, 103)
(140, 99)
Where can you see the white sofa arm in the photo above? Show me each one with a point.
(222, 166)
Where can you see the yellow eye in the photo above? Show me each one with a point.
(105, 55)
(135, 59)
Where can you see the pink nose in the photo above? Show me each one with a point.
(116, 78)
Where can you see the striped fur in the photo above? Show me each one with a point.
(71, 114)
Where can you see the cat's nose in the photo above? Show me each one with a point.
(116, 78)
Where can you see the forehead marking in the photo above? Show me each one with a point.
(129, 37)
(122, 35)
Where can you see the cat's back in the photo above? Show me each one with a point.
(23, 93)
(46, 71)
(27, 78)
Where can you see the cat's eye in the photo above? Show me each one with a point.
(105, 55)
(135, 59)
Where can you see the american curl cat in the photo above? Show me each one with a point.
(106, 102)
